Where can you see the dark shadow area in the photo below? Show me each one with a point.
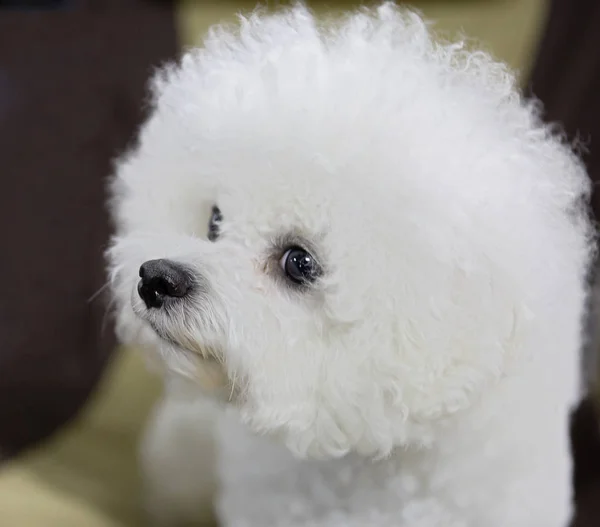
(585, 437)
(72, 92)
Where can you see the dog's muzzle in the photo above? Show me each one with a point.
(163, 281)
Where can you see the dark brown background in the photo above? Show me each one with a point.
(72, 86)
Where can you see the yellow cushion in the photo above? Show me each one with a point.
(86, 476)
(507, 28)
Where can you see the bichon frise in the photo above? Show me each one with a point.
(368, 244)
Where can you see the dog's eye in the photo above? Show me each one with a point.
(213, 225)
(299, 266)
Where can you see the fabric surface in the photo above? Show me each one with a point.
(508, 28)
(72, 85)
(87, 474)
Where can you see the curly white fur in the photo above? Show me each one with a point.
(427, 378)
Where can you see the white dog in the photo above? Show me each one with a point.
(367, 243)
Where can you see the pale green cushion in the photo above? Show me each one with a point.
(508, 28)
(87, 475)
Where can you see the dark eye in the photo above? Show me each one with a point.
(213, 225)
(299, 266)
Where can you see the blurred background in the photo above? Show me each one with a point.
(72, 92)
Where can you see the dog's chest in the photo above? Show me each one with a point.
(263, 484)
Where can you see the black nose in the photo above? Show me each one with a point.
(161, 280)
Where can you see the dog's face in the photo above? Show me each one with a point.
(321, 229)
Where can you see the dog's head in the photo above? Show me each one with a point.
(352, 226)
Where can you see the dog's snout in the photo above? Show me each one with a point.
(161, 280)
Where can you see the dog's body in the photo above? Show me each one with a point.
(508, 469)
(377, 254)
(470, 480)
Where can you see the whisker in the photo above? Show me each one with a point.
(233, 381)
(97, 293)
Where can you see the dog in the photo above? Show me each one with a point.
(360, 259)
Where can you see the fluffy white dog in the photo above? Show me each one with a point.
(367, 243)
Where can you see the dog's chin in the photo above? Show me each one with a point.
(188, 359)
(199, 366)
(211, 378)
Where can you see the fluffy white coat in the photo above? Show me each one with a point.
(426, 378)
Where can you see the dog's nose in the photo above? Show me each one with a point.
(161, 280)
